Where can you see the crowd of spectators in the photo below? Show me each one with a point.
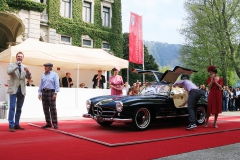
(138, 87)
(230, 97)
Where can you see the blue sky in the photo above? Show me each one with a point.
(162, 19)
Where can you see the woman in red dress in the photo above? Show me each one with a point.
(116, 82)
(215, 96)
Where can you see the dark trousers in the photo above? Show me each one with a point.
(237, 103)
(49, 107)
(231, 108)
(193, 97)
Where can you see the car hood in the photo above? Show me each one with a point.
(156, 74)
(110, 99)
(171, 76)
(107, 99)
(167, 77)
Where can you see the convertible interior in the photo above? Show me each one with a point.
(179, 96)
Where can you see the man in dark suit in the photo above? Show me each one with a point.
(98, 80)
(67, 81)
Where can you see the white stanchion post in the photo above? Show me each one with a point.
(76, 90)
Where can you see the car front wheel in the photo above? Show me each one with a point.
(200, 114)
(141, 119)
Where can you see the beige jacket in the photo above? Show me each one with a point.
(16, 79)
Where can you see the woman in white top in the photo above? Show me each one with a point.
(126, 87)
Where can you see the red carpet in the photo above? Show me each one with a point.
(120, 134)
(36, 143)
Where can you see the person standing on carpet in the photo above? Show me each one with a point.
(194, 94)
(17, 90)
(215, 96)
(116, 82)
(47, 92)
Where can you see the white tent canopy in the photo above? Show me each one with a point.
(64, 56)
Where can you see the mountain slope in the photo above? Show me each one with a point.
(165, 54)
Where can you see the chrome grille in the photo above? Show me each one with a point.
(103, 111)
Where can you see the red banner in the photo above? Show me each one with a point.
(135, 39)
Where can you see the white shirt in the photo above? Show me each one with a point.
(237, 93)
(125, 90)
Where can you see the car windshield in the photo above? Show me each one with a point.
(159, 89)
(158, 75)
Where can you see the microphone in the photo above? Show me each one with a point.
(19, 63)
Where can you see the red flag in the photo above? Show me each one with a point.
(135, 39)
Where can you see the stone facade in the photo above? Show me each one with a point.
(15, 28)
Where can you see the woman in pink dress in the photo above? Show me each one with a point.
(116, 82)
(215, 96)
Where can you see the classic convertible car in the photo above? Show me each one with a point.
(160, 101)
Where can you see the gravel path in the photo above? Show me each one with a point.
(229, 152)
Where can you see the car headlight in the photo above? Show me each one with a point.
(88, 104)
(119, 106)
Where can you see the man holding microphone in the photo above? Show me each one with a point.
(17, 90)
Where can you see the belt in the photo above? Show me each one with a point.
(48, 90)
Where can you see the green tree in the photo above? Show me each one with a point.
(164, 68)
(199, 78)
(212, 36)
(149, 63)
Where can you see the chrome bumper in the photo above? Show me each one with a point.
(102, 119)
(87, 115)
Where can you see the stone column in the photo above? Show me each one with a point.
(34, 25)
(53, 37)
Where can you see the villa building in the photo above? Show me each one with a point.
(84, 23)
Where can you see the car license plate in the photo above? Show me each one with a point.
(99, 119)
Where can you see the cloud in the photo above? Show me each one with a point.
(161, 18)
(166, 1)
(171, 22)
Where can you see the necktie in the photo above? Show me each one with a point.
(68, 83)
(98, 81)
(19, 67)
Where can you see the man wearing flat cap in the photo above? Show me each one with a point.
(98, 80)
(47, 92)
